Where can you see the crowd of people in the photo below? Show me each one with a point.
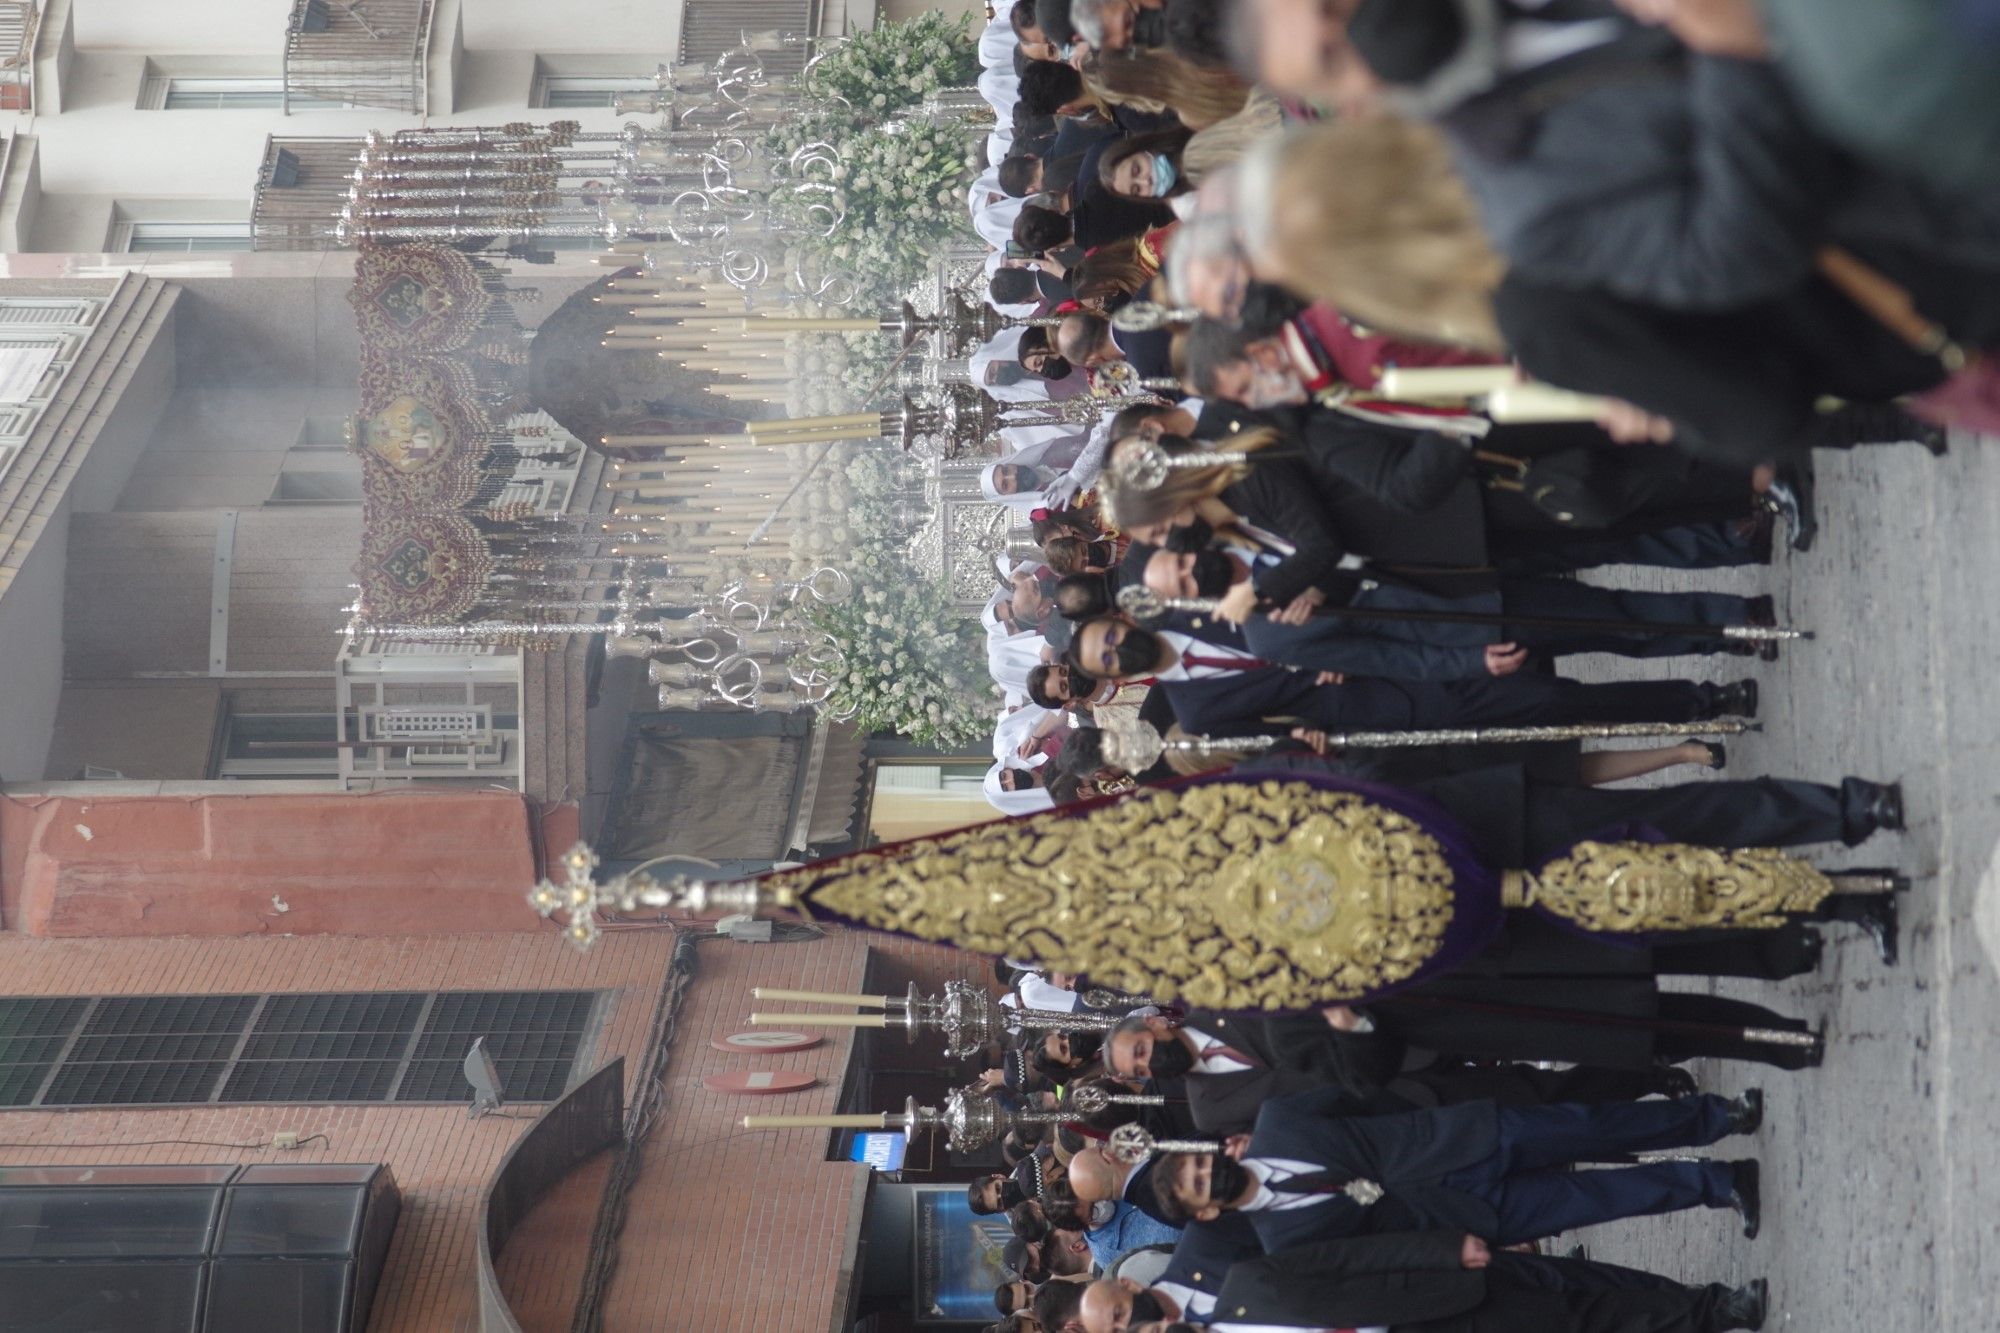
(1334, 1170)
(1677, 211)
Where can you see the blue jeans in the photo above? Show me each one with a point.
(1534, 1196)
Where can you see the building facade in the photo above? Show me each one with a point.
(232, 939)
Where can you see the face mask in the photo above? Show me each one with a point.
(1138, 654)
(1082, 686)
(1055, 368)
(1164, 175)
(1149, 27)
(1194, 536)
(1101, 1214)
(1226, 1178)
(1170, 1058)
(1214, 573)
(1265, 306)
(1146, 1308)
(1273, 388)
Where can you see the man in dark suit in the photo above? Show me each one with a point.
(1231, 1064)
(1415, 464)
(1186, 1289)
(1448, 1282)
(1311, 632)
(1088, 339)
(1217, 692)
(1448, 555)
(1310, 1172)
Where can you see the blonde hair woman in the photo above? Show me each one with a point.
(1187, 493)
(1372, 217)
(1154, 81)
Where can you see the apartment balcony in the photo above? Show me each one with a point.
(20, 24)
(359, 53)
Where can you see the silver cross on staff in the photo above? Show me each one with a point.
(1133, 1144)
(1121, 379)
(580, 897)
(1142, 464)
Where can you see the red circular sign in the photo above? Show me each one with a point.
(765, 1042)
(758, 1082)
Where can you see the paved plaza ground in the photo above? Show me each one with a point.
(1881, 1170)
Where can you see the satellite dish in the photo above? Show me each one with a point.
(484, 1077)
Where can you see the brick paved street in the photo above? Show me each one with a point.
(1881, 1174)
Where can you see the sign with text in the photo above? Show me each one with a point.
(883, 1151)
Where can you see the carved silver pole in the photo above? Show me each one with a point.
(1141, 463)
(1145, 316)
(1135, 747)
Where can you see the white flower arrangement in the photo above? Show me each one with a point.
(916, 667)
(901, 61)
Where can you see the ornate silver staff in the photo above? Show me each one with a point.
(1135, 1143)
(1145, 316)
(1121, 379)
(1142, 464)
(1142, 603)
(1135, 747)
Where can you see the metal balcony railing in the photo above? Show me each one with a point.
(358, 53)
(20, 22)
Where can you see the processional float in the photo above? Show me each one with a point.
(691, 565)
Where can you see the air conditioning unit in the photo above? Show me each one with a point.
(748, 929)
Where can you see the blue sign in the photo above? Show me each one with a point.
(957, 1256)
(884, 1152)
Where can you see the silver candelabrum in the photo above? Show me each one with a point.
(970, 1120)
(964, 1015)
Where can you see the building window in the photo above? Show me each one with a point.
(178, 1050)
(181, 237)
(588, 90)
(208, 1249)
(40, 338)
(166, 92)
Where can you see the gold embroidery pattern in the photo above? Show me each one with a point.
(1274, 895)
(1636, 886)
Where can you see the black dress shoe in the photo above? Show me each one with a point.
(1673, 1081)
(1745, 1307)
(1790, 497)
(1880, 919)
(1583, 1252)
(1813, 951)
(1747, 1112)
(1746, 1197)
(1885, 806)
(1760, 611)
(1736, 699)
